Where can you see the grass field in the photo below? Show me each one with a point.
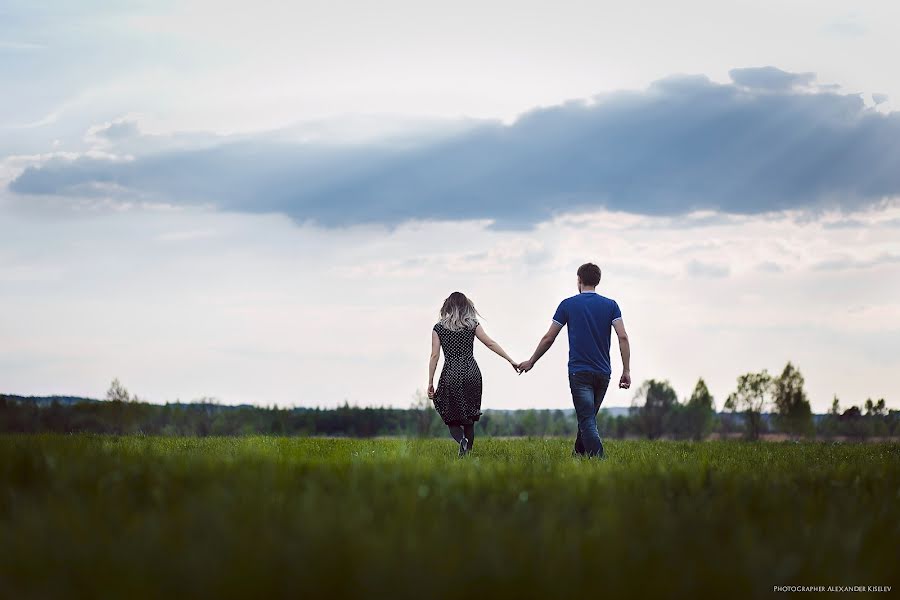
(133, 517)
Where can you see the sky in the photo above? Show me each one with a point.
(267, 203)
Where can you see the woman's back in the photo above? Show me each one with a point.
(458, 344)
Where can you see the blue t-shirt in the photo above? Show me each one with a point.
(589, 317)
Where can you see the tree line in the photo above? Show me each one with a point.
(761, 403)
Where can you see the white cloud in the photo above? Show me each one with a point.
(256, 309)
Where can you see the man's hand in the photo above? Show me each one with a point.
(542, 347)
(431, 392)
(625, 380)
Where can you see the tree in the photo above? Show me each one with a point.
(528, 422)
(118, 393)
(118, 396)
(876, 409)
(851, 413)
(753, 395)
(835, 407)
(794, 412)
(853, 424)
(830, 425)
(659, 402)
(892, 420)
(699, 411)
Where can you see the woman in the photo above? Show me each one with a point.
(458, 395)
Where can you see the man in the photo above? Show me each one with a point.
(590, 318)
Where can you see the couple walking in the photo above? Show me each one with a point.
(590, 318)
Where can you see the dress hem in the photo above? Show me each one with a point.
(459, 422)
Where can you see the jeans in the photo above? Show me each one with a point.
(588, 389)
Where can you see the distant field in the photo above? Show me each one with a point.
(134, 517)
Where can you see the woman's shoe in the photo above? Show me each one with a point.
(463, 446)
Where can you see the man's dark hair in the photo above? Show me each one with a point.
(589, 273)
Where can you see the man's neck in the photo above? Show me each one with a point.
(587, 289)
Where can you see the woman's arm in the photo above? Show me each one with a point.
(432, 362)
(492, 345)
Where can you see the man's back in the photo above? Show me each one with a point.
(589, 317)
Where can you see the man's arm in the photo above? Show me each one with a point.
(625, 349)
(542, 347)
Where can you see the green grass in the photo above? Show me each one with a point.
(133, 517)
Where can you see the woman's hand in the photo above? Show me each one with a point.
(431, 392)
(525, 366)
(515, 365)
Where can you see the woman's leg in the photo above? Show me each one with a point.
(456, 431)
(469, 430)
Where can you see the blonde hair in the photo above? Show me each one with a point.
(458, 312)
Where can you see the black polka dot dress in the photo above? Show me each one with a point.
(458, 394)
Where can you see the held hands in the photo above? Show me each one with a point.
(625, 380)
(430, 391)
(524, 366)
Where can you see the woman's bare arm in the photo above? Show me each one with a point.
(432, 362)
(485, 339)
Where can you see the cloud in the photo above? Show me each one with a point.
(696, 268)
(117, 130)
(769, 267)
(849, 26)
(770, 78)
(684, 144)
(848, 262)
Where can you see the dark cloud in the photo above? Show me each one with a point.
(685, 143)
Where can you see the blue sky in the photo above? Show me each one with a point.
(265, 204)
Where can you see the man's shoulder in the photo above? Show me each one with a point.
(572, 301)
(589, 297)
(604, 304)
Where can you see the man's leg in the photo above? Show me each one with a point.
(601, 384)
(579, 445)
(581, 385)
